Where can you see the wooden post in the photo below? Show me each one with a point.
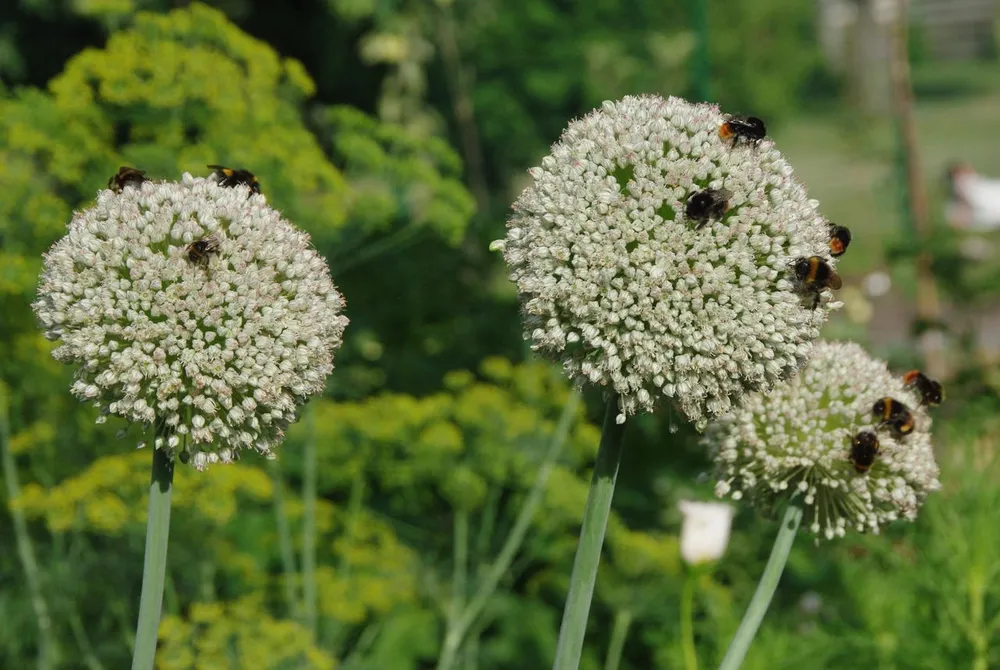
(928, 301)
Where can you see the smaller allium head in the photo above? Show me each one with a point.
(657, 258)
(816, 442)
(193, 307)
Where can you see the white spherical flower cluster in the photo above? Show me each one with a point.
(193, 307)
(628, 291)
(798, 444)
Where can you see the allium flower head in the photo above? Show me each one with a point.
(195, 307)
(628, 291)
(795, 443)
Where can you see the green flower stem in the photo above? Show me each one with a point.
(309, 526)
(284, 541)
(335, 631)
(461, 563)
(619, 632)
(588, 551)
(687, 621)
(154, 566)
(82, 641)
(765, 589)
(25, 550)
(457, 630)
(978, 635)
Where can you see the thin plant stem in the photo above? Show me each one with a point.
(457, 630)
(687, 622)
(367, 638)
(154, 565)
(461, 564)
(619, 633)
(335, 631)
(47, 654)
(765, 589)
(309, 526)
(977, 633)
(588, 551)
(83, 641)
(285, 546)
(487, 525)
(392, 242)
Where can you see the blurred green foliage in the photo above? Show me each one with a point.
(396, 134)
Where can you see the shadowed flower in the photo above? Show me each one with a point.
(705, 531)
(195, 307)
(810, 441)
(655, 258)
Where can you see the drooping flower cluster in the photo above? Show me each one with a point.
(194, 307)
(809, 441)
(630, 289)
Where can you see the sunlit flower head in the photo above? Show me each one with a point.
(635, 279)
(705, 531)
(816, 441)
(193, 307)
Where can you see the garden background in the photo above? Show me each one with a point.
(397, 133)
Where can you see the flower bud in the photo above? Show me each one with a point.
(705, 531)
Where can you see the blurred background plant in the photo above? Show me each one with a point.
(439, 483)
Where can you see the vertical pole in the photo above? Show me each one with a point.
(701, 85)
(916, 212)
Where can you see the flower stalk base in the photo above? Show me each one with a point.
(765, 589)
(154, 566)
(588, 551)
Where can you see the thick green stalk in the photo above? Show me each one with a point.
(154, 567)
(457, 630)
(765, 589)
(285, 545)
(619, 632)
(25, 549)
(687, 622)
(588, 551)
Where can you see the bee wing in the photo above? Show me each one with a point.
(835, 281)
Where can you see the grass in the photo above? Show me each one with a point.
(847, 164)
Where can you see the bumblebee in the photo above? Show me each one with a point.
(864, 449)
(199, 251)
(840, 237)
(746, 129)
(816, 275)
(930, 390)
(711, 203)
(894, 414)
(230, 177)
(126, 176)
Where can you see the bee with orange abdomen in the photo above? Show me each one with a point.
(126, 176)
(864, 449)
(711, 203)
(816, 275)
(931, 392)
(840, 237)
(199, 251)
(890, 412)
(229, 177)
(746, 129)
